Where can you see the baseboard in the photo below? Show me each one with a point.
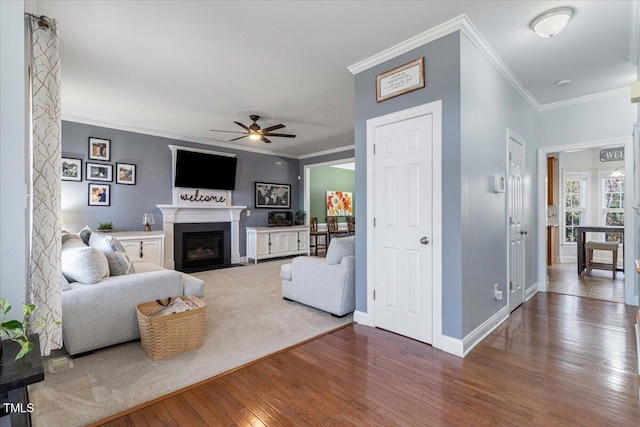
(472, 339)
(452, 346)
(362, 318)
(531, 291)
(243, 259)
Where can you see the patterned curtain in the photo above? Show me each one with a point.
(45, 285)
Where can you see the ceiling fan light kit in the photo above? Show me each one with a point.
(255, 132)
(552, 22)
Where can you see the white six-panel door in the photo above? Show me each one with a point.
(515, 218)
(403, 229)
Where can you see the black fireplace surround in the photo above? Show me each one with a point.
(202, 246)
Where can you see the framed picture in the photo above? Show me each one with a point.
(339, 203)
(273, 195)
(71, 169)
(125, 173)
(99, 172)
(99, 149)
(99, 195)
(400, 80)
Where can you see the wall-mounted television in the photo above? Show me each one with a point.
(201, 170)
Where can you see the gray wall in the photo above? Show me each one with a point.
(490, 105)
(153, 186)
(13, 157)
(442, 59)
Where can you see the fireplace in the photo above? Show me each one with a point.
(202, 246)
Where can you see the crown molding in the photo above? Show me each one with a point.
(634, 43)
(325, 152)
(430, 35)
(626, 91)
(460, 23)
(168, 134)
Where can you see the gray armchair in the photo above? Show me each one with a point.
(327, 284)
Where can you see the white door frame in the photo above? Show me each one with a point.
(629, 212)
(307, 181)
(434, 108)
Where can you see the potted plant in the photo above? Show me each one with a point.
(14, 329)
(299, 217)
(105, 226)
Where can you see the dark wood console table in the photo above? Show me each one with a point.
(15, 376)
(581, 239)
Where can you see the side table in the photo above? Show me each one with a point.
(15, 376)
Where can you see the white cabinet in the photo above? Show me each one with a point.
(142, 245)
(271, 242)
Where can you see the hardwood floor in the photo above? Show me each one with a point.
(564, 279)
(558, 360)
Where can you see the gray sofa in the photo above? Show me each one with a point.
(103, 313)
(324, 283)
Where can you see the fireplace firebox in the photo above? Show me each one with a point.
(202, 246)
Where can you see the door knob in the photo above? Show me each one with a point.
(424, 240)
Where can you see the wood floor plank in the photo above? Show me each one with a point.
(557, 360)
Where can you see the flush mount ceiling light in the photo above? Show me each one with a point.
(552, 22)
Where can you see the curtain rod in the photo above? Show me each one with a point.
(43, 20)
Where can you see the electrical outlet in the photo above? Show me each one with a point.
(497, 294)
(248, 212)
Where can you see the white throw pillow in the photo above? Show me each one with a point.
(81, 263)
(119, 262)
(340, 247)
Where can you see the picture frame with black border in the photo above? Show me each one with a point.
(99, 149)
(270, 195)
(126, 173)
(71, 169)
(99, 172)
(99, 195)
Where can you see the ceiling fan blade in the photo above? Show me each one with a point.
(275, 127)
(265, 140)
(240, 137)
(242, 126)
(226, 131)
(283, 135)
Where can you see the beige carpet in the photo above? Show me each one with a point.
(246, 319)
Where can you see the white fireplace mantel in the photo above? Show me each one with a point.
(173, 214)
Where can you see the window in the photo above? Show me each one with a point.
(612, 203)
(575, 204)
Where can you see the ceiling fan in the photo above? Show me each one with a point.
(254, 131)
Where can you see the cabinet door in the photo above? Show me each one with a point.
(292, 242)
(302, 240)
(151, 251)
(132, 248)
(279, 243)
(262, 245)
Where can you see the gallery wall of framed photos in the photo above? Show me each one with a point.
(97, 171)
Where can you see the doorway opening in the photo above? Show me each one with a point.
(584, 185)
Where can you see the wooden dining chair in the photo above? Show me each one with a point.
(351, 224)
(314, 234)
(332, 227)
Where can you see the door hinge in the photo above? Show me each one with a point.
(374, 294)
(374, 148)
(511, 285)
(510, 156)
(374, 221)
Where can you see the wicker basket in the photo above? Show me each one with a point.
(171, 334)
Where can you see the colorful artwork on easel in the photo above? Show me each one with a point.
(339, 203)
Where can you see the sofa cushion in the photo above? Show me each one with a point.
(119, 261)
(65, 284)
(67, 235)
(339, 248)
(84, 234)
(81, 263)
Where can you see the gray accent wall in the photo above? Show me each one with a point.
(442, 64)
(490, 105)
(152, 158)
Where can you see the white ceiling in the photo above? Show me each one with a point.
(181, 68)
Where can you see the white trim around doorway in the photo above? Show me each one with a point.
(307, 181)
(435, 108)
(629, 212)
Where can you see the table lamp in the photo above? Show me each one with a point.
(147, 220)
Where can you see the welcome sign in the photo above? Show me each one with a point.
(612, 154)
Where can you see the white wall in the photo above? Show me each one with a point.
(13, 149)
